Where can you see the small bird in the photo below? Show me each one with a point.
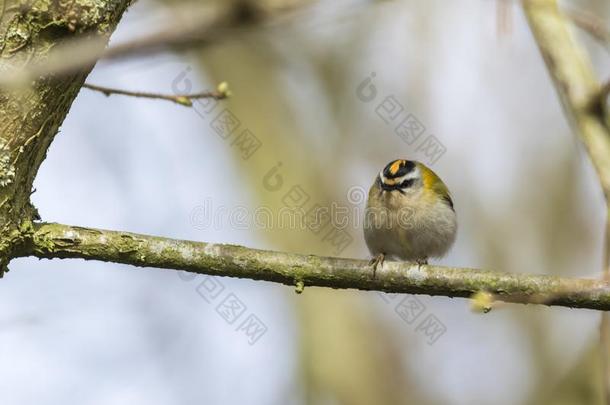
(409, 214)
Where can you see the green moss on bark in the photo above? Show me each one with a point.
(30, 116)
(62, 241)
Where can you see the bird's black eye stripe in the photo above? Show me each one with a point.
(400, 186)
(406, 183)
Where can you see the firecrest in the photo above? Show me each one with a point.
(409, 214)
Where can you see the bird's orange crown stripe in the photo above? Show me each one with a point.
(395, 167)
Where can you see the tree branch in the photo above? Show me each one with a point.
(198, 26)
(592, 25)
(574, 80)
(31, 116)
(583, 100)
(222, 91)
(51, 240)
(83, 52)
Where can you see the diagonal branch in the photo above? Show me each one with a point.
(197, 27)
(201, 28)
(574, 80)
(592, 25)
(51, 240)
(583, 100)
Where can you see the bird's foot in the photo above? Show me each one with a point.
(421, 262)
(377, 261)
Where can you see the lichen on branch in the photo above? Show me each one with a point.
(31, 113)
(62, 241)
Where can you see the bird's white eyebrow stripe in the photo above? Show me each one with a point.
(409, 176)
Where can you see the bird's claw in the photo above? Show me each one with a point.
(421, 262)
(377, 261)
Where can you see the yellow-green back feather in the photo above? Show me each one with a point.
(434, 183)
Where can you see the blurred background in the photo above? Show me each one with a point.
(325, 97)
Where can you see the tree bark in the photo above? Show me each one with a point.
(63, 241)
(31, 114)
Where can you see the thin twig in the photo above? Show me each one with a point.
(63, 241)
(504, 18)
(591, 25)
(221, 92)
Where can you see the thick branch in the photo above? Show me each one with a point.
(63, 241)
(583, 100)
(31, 114)
(575, 82)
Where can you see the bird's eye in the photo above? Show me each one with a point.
(406, 183)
